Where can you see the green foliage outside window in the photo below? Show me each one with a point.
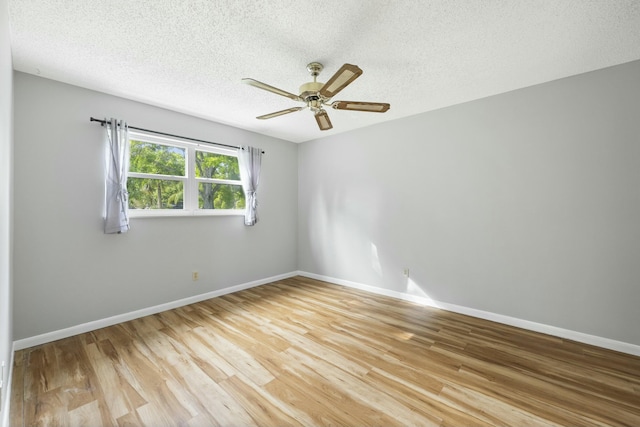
(158, 159)
(153, 193)
(218, 196)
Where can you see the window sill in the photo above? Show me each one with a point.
(155, 213)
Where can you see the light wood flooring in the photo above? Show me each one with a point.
(304, 352)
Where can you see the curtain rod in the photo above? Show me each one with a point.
(103, 122)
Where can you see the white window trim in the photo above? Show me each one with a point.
(190, 180)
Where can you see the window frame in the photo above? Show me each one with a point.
(190, 181)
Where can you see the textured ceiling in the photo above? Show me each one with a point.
(189, 56)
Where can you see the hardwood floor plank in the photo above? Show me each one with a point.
(348, 385)
(210, 396)
(341, 406)
(16, 414)
(237, 357)
(153, 414)
(264, 411)
(491, 410)
(130, 420)
(430, 403)
(85, 415)
(109, 379)
(304, 352)
(302, 398)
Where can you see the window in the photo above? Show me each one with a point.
(174, 177)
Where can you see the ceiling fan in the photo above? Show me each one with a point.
(316, 95)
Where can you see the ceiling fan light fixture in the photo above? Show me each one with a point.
(341, 79)
(323, 120)
(309, 91)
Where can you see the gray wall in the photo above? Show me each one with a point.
(525, 204)
(67, 272)
(6, 143)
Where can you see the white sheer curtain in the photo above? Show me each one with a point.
(249, 160)
(116, 218)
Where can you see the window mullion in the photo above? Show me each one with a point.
(219, 181)
(156, 176)
(191, 189)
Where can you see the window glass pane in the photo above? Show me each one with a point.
(145, 193)
(147, 157)
(220, 196)
(212, 165)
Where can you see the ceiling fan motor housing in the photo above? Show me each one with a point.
(309, 92)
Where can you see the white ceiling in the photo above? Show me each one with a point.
(418, 55)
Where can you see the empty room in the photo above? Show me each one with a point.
(297, 213)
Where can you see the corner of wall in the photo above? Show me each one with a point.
(6, 206)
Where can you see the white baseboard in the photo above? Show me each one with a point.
(610, 344)
(113, 320)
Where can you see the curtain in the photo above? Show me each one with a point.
(249, 159)
(116, 218)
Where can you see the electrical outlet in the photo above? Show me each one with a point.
(195, 276)
(405, 272)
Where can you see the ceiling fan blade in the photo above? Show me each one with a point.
(280, 113)
(372, 107)
(323, 120)
(343, 77)
(272, 89)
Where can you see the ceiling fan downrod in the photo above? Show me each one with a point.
(310, 91)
